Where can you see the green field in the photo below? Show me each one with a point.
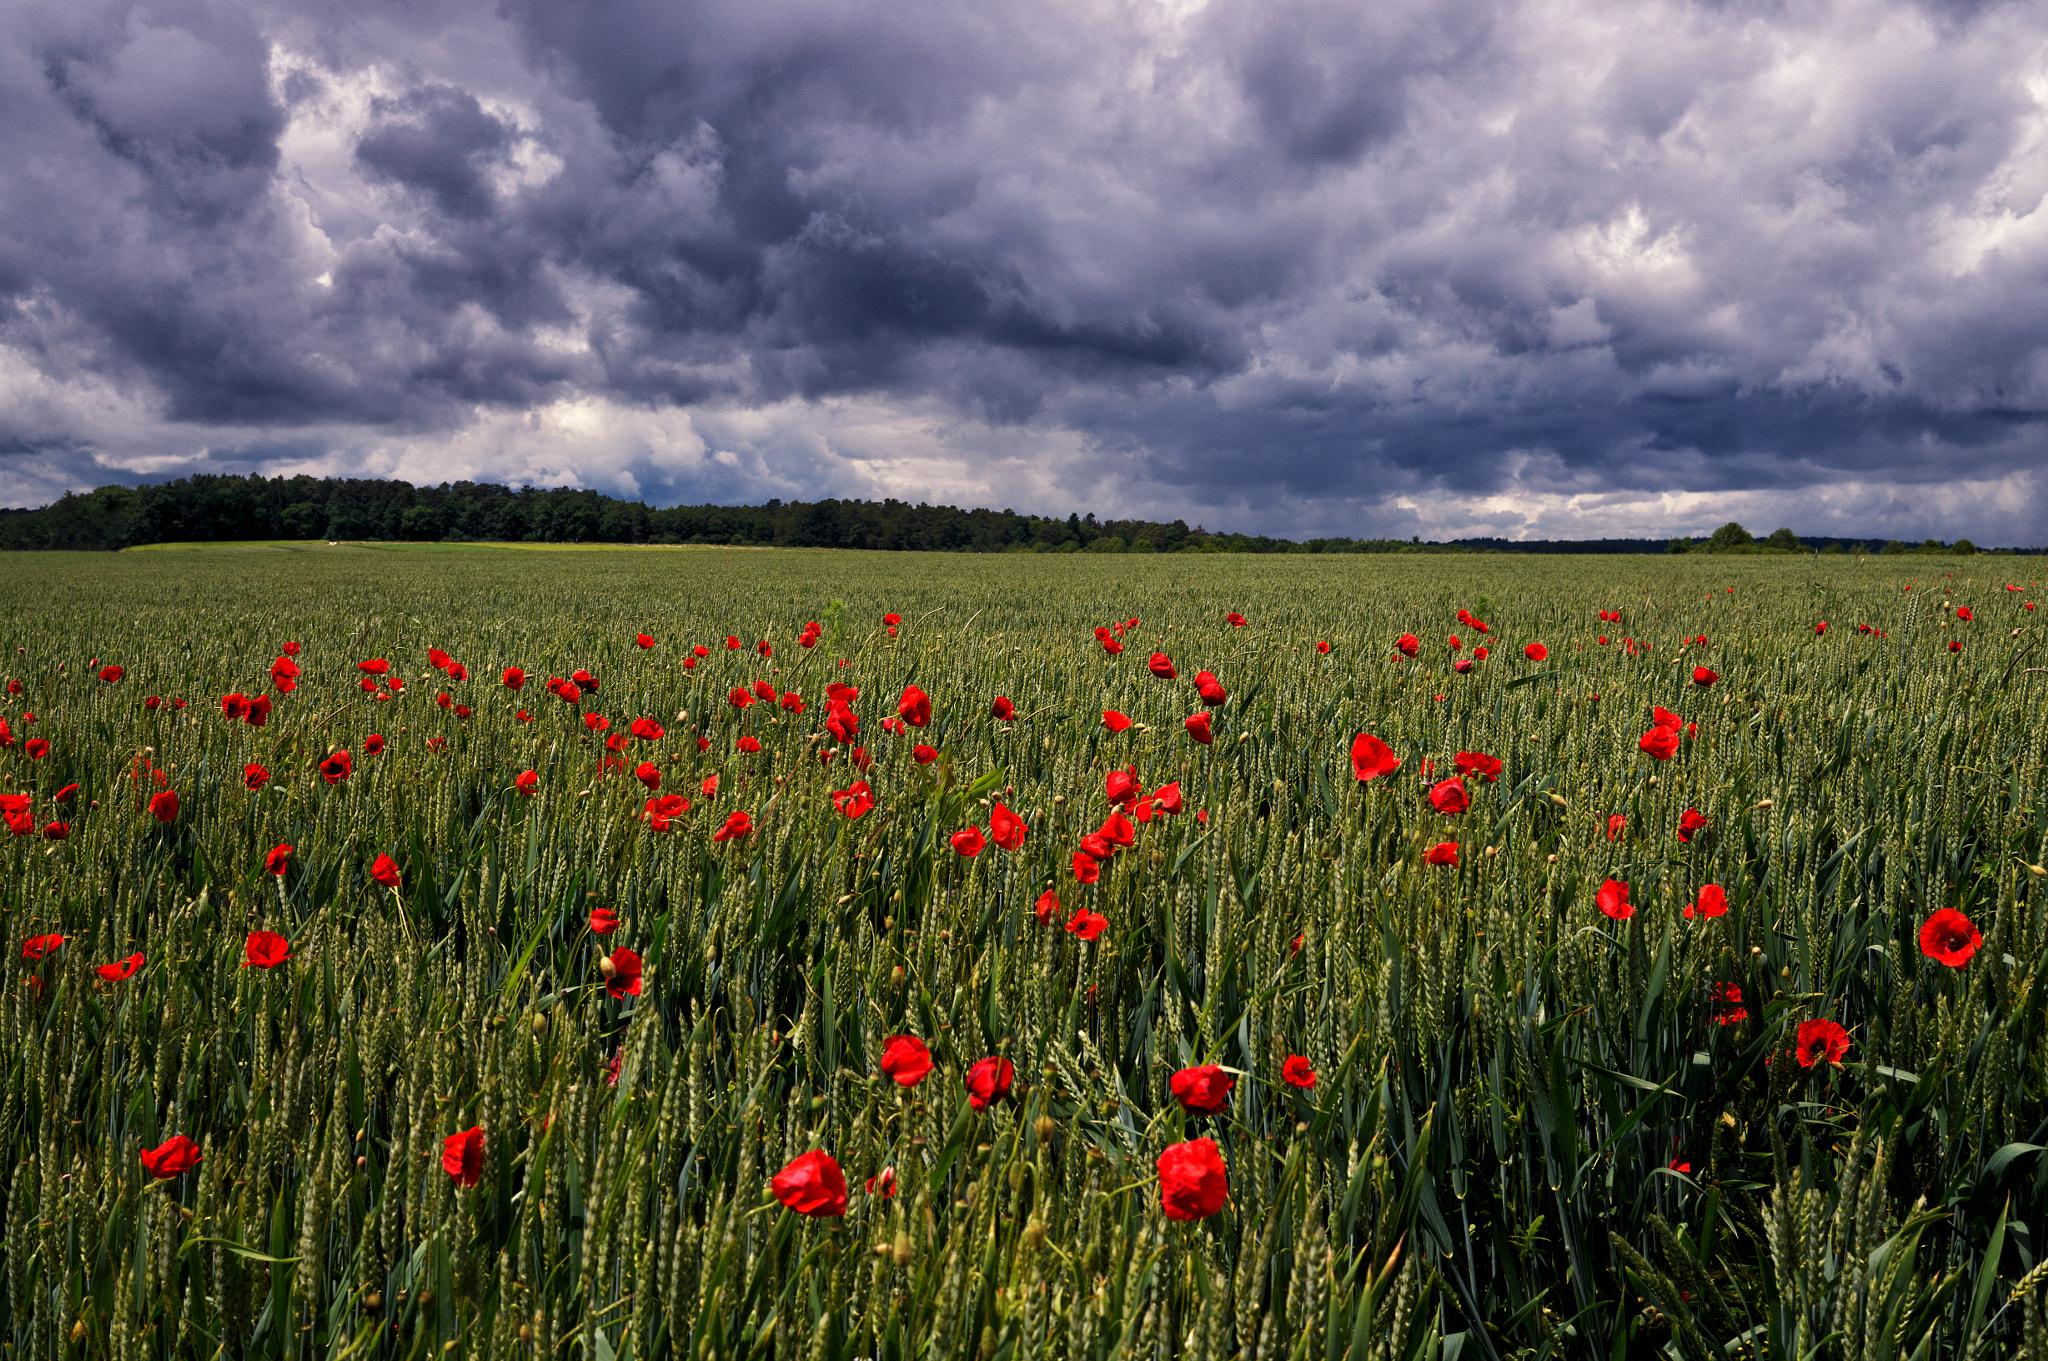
(1536, 1128)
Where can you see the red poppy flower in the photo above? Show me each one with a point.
(36, 748)
(989, 1081)
(1087, 925)
(842, 722)
(1821, 1038)
(1372, 758)
(120, 968)
(1479, 654)
(1728, 998)
(264, 950)
(279, 860)
(915, 707)
(1166, 798)
(56, 831)
(585, 682)
(854, 800)
(648, 774)
(710, 786)
(886, 1179)
(66, 794)
(1954, 646)
(1449, 796)
(968, 842)
(792, 702)
(1086, 870)
(1536, 652)
(110, 674)
(457, 671)
(174, 1156)
(1115, 721)
(1198, 728)
(1662, 743)
(749, 744)
(1236, 621)
(906, 1060)
(1098, 846)
(1443, 853)
(603, 921)
(1322, 647)
(1047, 907)
(35, 947)
(660, 812)
(1204, 1090)
(1478, 763)
(527, 782)
(1193, 1180)
(812, 1185)
(1112, 646)
(163, 806)
(337, 767)
(1712, 902)
(1161, 666)
(462, 1156)
(1703, 676)
(764, 692)
(1118, 830)
(385, 871)
(254, 777)
(737, 826)
(625, 974)
(1689, 822)
(1821, 627)
(1296, 1072)
(1005, 828)
(1613, 900)
(1949, 936)
(1210, 689)
(1003, 709)
(1617, 823)
(1462, 665)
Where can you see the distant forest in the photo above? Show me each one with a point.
(226, 508)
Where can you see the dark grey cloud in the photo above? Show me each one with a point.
(1433, 266)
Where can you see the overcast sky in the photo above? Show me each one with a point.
(1538, 268)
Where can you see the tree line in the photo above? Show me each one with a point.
(225, 508)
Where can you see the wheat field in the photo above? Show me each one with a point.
(569, 1023)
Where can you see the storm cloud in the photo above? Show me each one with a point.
(1531, 267)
